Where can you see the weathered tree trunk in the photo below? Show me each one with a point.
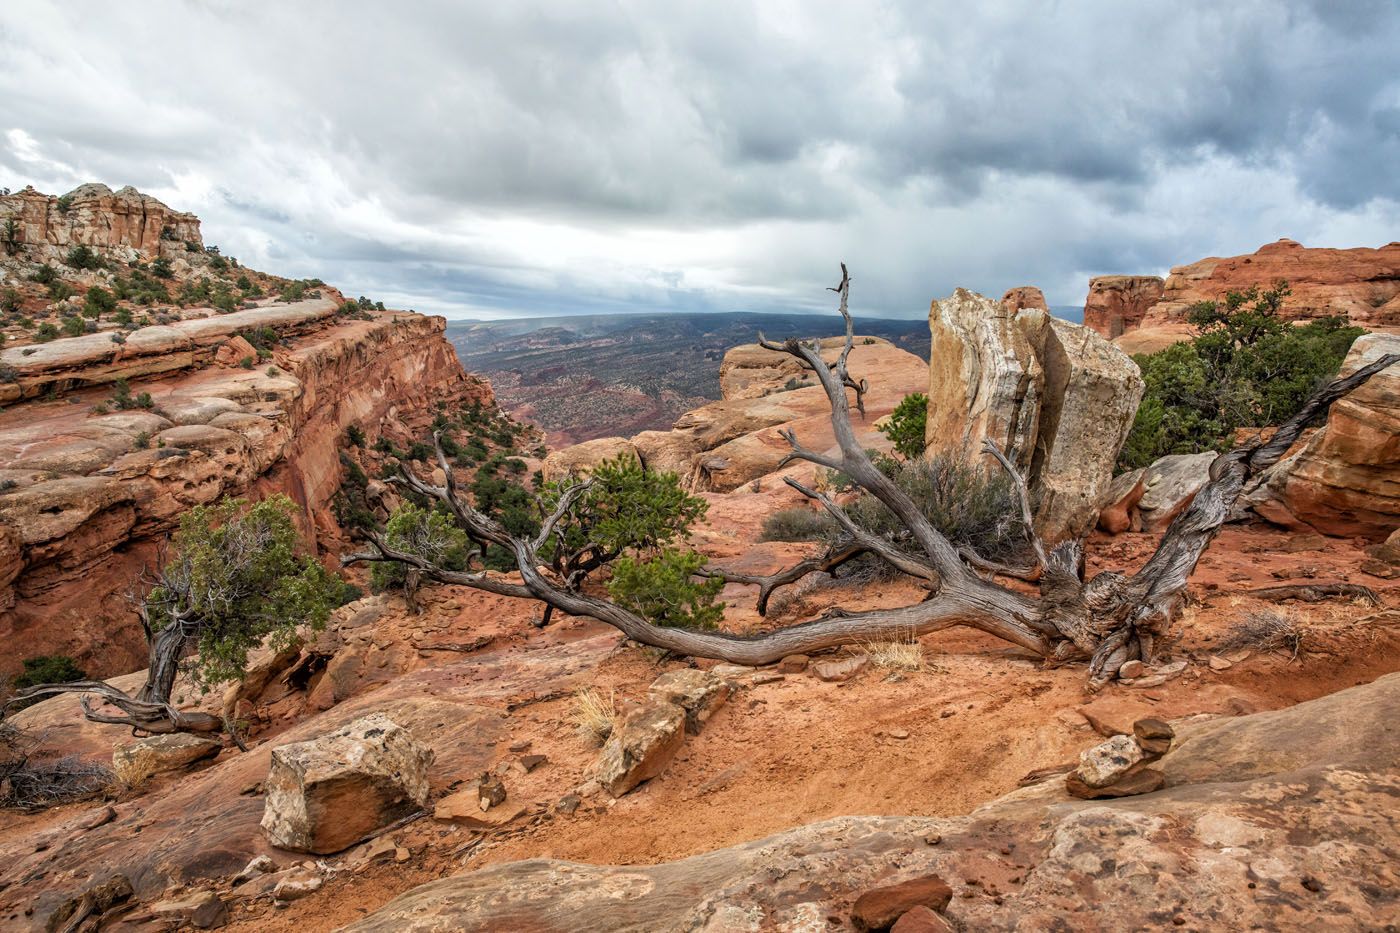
(1106, 620)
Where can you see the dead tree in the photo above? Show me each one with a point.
(1106, 620)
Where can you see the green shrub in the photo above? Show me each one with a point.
(664, 589)
(354, 436)
(799, 524)
(98, 301)
(246, 362)
(161, 269)
(46, 332)
(423, 533)
(73, 326)
(82, 257)
(44, 275)
(10, 301)
(970, 505)
(45, 669)
(1245, 368)
(905, 426)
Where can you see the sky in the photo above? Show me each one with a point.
(504, 159)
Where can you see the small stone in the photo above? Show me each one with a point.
(378, 849)
(401, 854)
(840, 670)
(766, 677)
(203, 910)
(898, 733)
(921, 920)
(933, 839)
(589, 788)
(568, 804)
(1312, 884)
(793, 664)
(1131, 669)
(1218, 663)
(1106, 762)
(1151, 727)
(520, 746)
(531, 762)
(101, 818)
(490, 791)
(879, 908)
(260, 865)
(1142, 781)
(730, 670)
(699, 693)
(297, 883)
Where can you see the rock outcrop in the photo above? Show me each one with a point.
(125, 224)
(1346, 479)
(1118, 303)
(86, 495)
(1056, 397)
(1362, 285)
(1289, 814)
(1024, 296)
(579, 459)
(326, 794)
(750, 371)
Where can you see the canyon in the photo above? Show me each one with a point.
(802, 794)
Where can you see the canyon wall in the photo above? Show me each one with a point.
(125, 222)
(90, 495)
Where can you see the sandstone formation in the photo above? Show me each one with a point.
(1169, 485)
(126, 224)
(86, 495)
(1118, 303)
(1362, 285)
(699, 693)
(1346, 479)
(1024, 296)
(156, 754)
(578, 460)
(1057, 398)
(327, 794)
(1273, 808)
(724, 445)
(750, 371)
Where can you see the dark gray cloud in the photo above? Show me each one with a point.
(475, 158)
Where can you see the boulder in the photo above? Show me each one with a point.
(879, 908)
(1169, 486)
(838, 670)
(699, 693)
(1024, 296)
(751, 371)
(641, 747)
(203, 910)
(921, 920)
(1118, 508)
(1346, 479)
(1056, 397)
(328, 793)
(1108, 761)
(1139, 780)
(1118, 303)
(156, 754)
(580, 459)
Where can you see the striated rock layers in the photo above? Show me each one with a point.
(87, 495)
(1118, 303)
(1362, 285)
(1056, 397)
(125, 224)
(1290, 816)
(1346, 480)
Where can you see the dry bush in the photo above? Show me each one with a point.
(1263, 630)
(799, 524)
(594, 716)
(895, 655)
(35, 786)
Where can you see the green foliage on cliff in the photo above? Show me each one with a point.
(905, 426)
(1246, 367)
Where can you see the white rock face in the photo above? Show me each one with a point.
(1056, 397)
(328, 793)
(1106, 762)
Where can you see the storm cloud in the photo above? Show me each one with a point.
(486, 160)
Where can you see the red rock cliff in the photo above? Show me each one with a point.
(90, 495)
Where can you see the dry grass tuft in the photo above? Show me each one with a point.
(896, 655)
(595, 716)
(1264, 630)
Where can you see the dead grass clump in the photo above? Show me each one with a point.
(595, 716)
(896, 655)
(29, 786)
(1264, 630)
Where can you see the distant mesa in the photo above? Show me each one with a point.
(1361, 284)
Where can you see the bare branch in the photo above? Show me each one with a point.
(1023, 496)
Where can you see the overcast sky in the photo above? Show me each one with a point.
(507, 158)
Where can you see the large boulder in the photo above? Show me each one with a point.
(326, 794)
(641, 747)
(1288, 815)
(1169, 486)
(752, 371)
(1346, 480)
(580, 459)
(1055, 396)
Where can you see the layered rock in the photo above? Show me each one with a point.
(1289, 814)
(1346, 479)
(1362, 285)
(1055, 397)
(579, 459)
(1118, 303)
(125, 224)
(87, 496)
